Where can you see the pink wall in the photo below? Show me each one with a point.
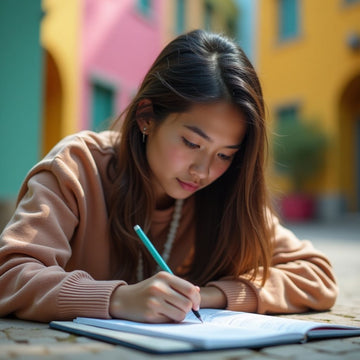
(118, 46)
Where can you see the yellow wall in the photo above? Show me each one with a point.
(311, 70)
(60, 38)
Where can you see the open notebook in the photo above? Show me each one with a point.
(221, 329)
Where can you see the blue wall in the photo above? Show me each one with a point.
(247, 27)
(20, 91)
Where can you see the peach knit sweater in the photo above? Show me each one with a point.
(55, 252)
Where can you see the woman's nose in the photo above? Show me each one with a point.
(200, 167)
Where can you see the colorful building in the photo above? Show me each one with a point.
(309, 64)
(94, 68)
(119, 42)
(71, 65)
(96, 65)
(82, 61)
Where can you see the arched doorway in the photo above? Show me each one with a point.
(53, 100)
(349, 117)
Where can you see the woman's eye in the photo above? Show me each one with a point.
(190, 144)
(225, 157)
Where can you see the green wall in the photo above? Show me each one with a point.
(20, 92)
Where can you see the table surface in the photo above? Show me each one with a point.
(30, 340)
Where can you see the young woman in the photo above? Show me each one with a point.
(188, 167)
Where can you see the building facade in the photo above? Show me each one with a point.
(60, 40)
(88, 58)
(120, 40)
(95, 66)
(309, 64)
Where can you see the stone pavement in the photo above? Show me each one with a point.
(340, 240)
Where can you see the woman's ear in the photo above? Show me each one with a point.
(144, 115)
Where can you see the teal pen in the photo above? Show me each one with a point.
(157, 257)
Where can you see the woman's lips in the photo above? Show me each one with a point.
(188, 186)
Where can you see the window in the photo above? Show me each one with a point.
(288, 14)
(144, 7)
(287, 113)
(180, 16)
(102, 105)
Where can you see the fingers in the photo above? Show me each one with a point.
(189, 291)
(161, 298)
(159, 310)
(176, 296)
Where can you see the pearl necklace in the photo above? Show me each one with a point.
(169, 240)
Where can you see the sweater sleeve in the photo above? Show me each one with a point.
(300, 279)
(38, 280)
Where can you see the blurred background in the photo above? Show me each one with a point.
(69, 65)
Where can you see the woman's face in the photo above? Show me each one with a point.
(190, 150)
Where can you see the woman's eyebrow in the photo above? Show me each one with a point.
(201, 133)
(198, 131)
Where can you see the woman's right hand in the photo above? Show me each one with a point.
(161, 298)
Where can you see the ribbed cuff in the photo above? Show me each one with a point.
(81, 295)
(240, 296)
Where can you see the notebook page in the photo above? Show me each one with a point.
(204, 335)
(254, 321)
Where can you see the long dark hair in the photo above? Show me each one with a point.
(232, 235)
